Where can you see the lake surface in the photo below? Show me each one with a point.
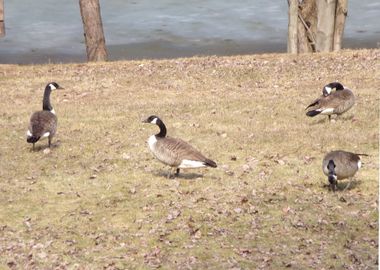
(51, 31)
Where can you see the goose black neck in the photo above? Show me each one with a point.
(331, 167)
(336, 85)
(162, 127)
(46, 106)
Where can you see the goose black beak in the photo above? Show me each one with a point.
(144, 121)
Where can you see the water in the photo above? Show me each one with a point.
(49, 30)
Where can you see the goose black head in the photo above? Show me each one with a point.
(53, 86)
(333, 180)
(329, 87)
(152, 119)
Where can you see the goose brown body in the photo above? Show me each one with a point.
(337, 103)
(347, 163)
(43, 123)
(174, 152)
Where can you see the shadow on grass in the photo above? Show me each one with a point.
(324, 119)
(341, 186)
(320, 121)
(43, 146)
(181, 175)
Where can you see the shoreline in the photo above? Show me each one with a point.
(161, 49)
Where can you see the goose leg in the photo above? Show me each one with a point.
(49, 139)
(33, 146)
(348, 185)
(329, 118)
(170, 173)
(177, 172)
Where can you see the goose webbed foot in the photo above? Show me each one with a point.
(170, 175)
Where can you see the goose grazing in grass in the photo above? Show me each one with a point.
(43, 123)
(330, 102)
(339, 165)
(174, 152)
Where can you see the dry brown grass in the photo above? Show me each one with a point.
(100, 200)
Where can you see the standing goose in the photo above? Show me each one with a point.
(330, 103)
(43, 123)
(339, 165)
(174, 152)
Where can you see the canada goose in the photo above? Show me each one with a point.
(330, 103)
(43, 123)
(174, 152)
(339, 165)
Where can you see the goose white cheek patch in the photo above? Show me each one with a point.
(328, 89)
(29, 134)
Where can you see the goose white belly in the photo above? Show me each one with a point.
(185, 163)
(327, 111)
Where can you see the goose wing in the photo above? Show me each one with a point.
(173, 151)
(42, 122)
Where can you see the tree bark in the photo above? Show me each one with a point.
(292, 26)
(325, 25)
(340, 19)
(304, 45)
(93, 30)
(2, 26)
(307, 25)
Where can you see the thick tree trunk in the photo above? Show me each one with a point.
(320, 25)
(307, 21)
(93, 30)
(304, 45)
(325, 25)
(292, 26)
(2, 26)
(340, 19)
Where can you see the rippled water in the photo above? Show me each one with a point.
(50, 30)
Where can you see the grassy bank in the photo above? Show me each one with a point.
(99, 199)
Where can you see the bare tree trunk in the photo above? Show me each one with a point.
(292, 26)
(93, 30)
(2, 26)
(340, 19)
(325, 25)
(307, 21)
(304, 45)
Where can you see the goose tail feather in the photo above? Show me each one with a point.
(313, 113)
(210, 163)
